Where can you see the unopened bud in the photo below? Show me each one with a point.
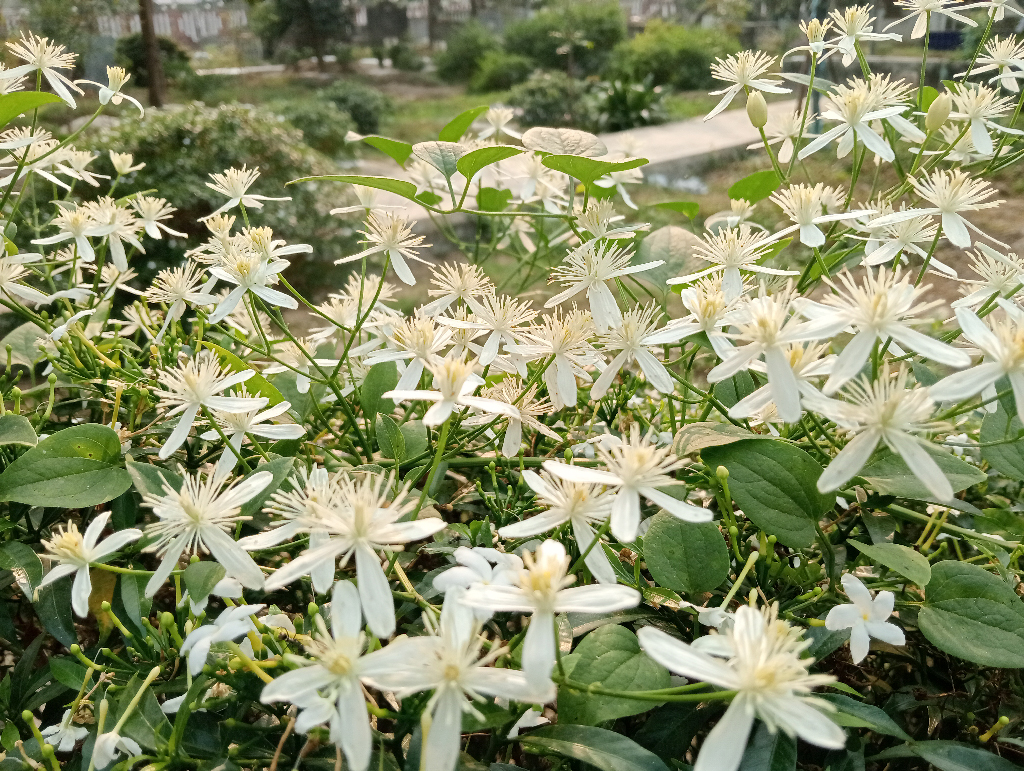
(757, 109)
(938, 112)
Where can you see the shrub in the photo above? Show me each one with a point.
(322, 124)
(621, 105)
(600, 23)
(466, 50)
(500, 71)
(672, 55)
(552, 99)
(130, 52)
(404, 57)
(365, 104)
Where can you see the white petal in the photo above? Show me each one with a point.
(375, 593)
(538, 657)
(849, 461)
(723, 748)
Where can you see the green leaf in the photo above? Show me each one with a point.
(669, 730)
(201, 577)
(390, 438)
(1007, 458)
(395, 149)
(257, 385)
(889, 475)
(690, 208)
(769, 751)
(820, 84)
(53, 607)
(587, 170)
(460, 124)
(755, 187)
(952, 756)
(973, 615)
(928, 95)
(732, 390)
(904, 560)
(597, 747)
(563, 141)
(685, 556)
(9, 739)
(857, 714)
(134, 603)
(470, 164)
(610, 656)
(23, 341)
(16, 429)
(775, 484)
(696, 436)
(493, 717)
(415, 435)
(492, 199)
(17, 555)
(147, 724)
(74, 468)
(674, 246)
(150, 480)
(443, 156)
(280, 469)
(379, 380)
(68, 672)
(397, 186)
(20, 102)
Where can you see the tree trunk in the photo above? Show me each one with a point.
(154, 65)
(433, 11)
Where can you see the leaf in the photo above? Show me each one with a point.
(755, 187)
(928, 95)
(686, 557)
(397, 186)
(690, 208)
(610, 656)
(134, 603)
(1008, 458)
(493, 717)
(586, 170)
(956, 756)
(16, 429)
(201, 577)
(415, 435)
(256, 385)
(674, 246)
(889, 475)
(769, 751)
(820, 84)
(74, 468)
(973, 615)
(147, 724)
(53, 607)
(68, 672)
(390, 438)
(904, 560)
(443, 156)
(563, 141)
(24, 342)
(280, 469)
(150, 480)
(598, 747)
(395, 149)
(20, 102)
(697, 436)
(669, 730)
(492, 199)
(470, 164)
(864, 716)
(379, 380)
(17, 555)
(458, 125)
(776, 486)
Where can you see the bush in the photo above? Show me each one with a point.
(621, 105)
(466, 50)
(672, 55)
(365, 104)
(499, 71)
(600, 22)
(404, 57)
(552, 99)
(130, 52)
(322, 124)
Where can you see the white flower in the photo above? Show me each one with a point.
(950, 193)
(979, 105)
(632, 338)
(327, 686)
(601, 221)
(710, 312)
(739, 212)
(922, 10)
(46, 58)
(235, 184)
(635, 467)
(119, 226)
(763, 663)
(151, 211)
(369, 200)
(589, 267)
(1006, 57)
(178, 287)
(201, 515)
(451, 662)
(805, 205)
(359, 522)
(479, 565)
(566, 338)
(498, 119)
(806, 363)
(510, 391)
(417, 340)
(237, 425)
(297, 357)
(392, 235)
(109, 745)
(195, 385)
(501, 318)
(61, 330)
(542, 589)
(249, 272)
(75, 224)
(744, 70)
(855, 24)
(865, 618)
(111, 92)
(1000, 274)
(884, 410)
(882, 307)
(233, 623)
(74, 163)
(12, 273)
(454, 283)
(122, 163)
(74, 553)
(582, 504)
(456, 382)
(64, 735)
(900, 237)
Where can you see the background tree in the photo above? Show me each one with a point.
(312, 24)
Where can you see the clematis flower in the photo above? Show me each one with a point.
(855, 25)
(178, 287)
(744, 71)
(111, 91)
(497, 119)
(922, 10)
(502, 319)
(980, 105)
(455, 283)
(237, 426)
(632, 338)
(805, 206)
(249, 272)
(152, 211)
(231, 624)
(1006, 57)
(46, 58)
(865, 617)
(510, 391)
(479, 565)
(456, 383)
(235, 184)
(64, 735)
(392, 235)
(565, 338)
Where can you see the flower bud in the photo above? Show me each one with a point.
(938, 112)
(757, 109)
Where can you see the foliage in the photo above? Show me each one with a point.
(672, 55)
(131, 54)
(620, 105)
(405, 57)
(590, 29)
(296, 24)
(466, 50)
(323, 125)
(365, 104)
(500, 71)
(552, 99)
